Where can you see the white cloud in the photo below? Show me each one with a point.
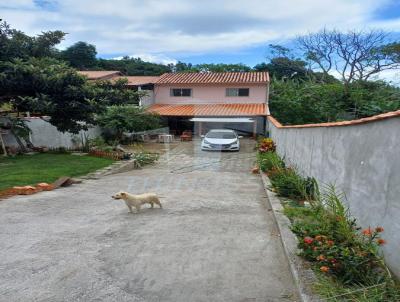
(152, 58)
(156, 27)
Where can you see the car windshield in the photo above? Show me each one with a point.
(223, 135)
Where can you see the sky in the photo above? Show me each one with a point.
(196, 31)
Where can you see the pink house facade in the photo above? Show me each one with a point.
(203, 101)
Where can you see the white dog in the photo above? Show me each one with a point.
(138, 200)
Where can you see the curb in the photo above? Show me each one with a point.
(117, 167)
(302, 274)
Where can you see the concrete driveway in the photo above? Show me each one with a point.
(214, 240)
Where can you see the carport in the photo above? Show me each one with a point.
(222, 120)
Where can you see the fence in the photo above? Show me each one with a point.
(362, 158)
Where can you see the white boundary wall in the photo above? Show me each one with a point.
(362, 160)
(45, 134)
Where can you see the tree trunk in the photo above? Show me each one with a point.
(20, 143)
(2, 145)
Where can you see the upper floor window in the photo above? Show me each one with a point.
(237, 91)
(181, 92)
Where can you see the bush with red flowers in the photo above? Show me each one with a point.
(266, 145)
(345, 256)
(330, 238)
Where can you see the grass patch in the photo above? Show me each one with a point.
(334, 291)
(45, 167)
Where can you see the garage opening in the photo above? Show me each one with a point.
(242, 125)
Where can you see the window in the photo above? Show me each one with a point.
(237, 91)
(181, 92)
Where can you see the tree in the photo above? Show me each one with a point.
(283, 67)
(119, 119)
(30, 80)
(50, 88)
(16, 44)
(115, 93)
(81, 55)
(133, 66)
(354, 55)
(283, 64)
(301, 102)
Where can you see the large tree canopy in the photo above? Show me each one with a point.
(33, 79)
(16, 44)
(354, 55)
(221, 67)
(133, 66)
(81, 55)
(119, 119)
(51, 88)
(48, 87)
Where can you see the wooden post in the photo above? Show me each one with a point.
(2, 144)
(255, 129)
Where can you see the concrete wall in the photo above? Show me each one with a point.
(45, 134)
(363, 160)
(209, 94)
(148, 99)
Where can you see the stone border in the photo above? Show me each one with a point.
(301, 271)
(114, 168)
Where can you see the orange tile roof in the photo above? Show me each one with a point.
(139, 80)
(364, 120)
(210, 109)
(214, 78)
(99, 74)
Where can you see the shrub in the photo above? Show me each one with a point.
(329, 237)
(269, 160)
(145, 158)
(266, 145)
(288, 183)
(119, 119)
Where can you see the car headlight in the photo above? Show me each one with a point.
(206, 142)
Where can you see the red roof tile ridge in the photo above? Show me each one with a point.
(214, 77)
(364, 120)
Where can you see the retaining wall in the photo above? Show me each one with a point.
(45, 134)
(362, 158)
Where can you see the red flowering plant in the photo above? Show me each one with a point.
(266, 145)
(330, 239)
(352, 262)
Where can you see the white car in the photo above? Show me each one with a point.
(221, 140)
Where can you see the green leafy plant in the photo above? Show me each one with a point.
(119, 119)
(269, 160)
(145, 158)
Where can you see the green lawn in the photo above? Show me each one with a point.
(32, 169)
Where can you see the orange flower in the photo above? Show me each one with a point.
(381, 241)
(330, 242)
(321, 258)
(379, 229)
(324, 269)
(367, 232)
(318, 237)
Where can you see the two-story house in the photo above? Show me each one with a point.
(203, 101)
